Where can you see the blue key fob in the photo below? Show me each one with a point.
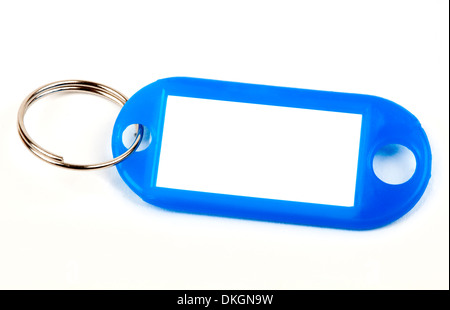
(373, 203)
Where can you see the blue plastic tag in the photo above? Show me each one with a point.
(369, 203)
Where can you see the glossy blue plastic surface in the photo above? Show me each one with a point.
(376, 203)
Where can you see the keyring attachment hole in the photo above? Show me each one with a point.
(394, 164)
(129, 136)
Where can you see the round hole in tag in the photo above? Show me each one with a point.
(394, 164)
(129, 136)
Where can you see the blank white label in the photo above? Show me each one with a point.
(260, 151)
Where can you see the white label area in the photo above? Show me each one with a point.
(260, 151)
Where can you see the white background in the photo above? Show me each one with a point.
(63, 229)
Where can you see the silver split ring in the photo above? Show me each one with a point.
(76, 86)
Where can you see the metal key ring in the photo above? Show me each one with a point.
(73, 86)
